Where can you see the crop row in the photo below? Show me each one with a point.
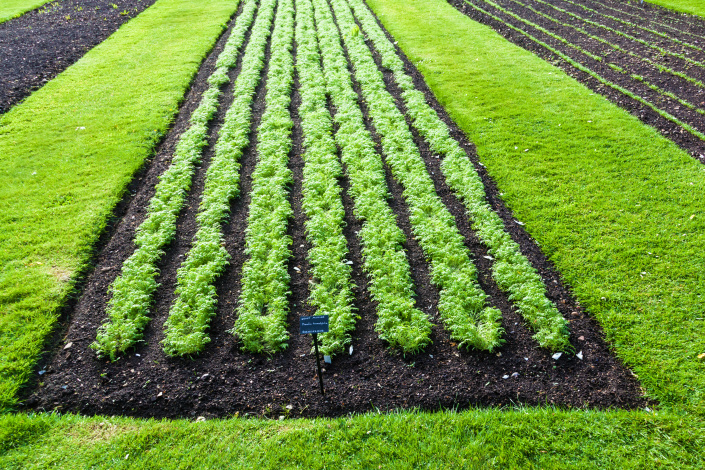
(384, 260)
(680, 30)
(133, 289)
(189, 317)
(263, 304)
(636, 26)
(511, 270)
(636, 78)
(646, 60)
(331, 291)
(462, 301)
(627, 36)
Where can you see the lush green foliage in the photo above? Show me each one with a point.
(510, 269)
(462, 301)
(69, 151)
(398, 321)
(331, 291)
(132, 290)
(694, 7)
(187, 324)
(261, 322)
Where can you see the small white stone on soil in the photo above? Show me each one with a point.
(557, 356)
(68, 345)
(580, 355)
(505, 376)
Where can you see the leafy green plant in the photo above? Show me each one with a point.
(189, 317)
(132, 291)
(511, 270)
(263, 305)
(331, 293)
(399, 322)
(462, 301)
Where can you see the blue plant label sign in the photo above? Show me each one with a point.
(314, 324)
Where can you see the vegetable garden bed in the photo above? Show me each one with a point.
(437, 297)
(650, 61)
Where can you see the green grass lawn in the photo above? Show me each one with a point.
(617, 207)
(694, 7)
(13, 8)
(68, 153)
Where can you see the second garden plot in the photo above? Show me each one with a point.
(651, 64)
(317, 177)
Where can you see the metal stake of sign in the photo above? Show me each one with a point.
(314, 325)
(318, 362)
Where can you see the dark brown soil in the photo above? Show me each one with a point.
(224, 381)
(654, 19)
(44, 42)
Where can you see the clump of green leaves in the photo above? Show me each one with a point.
(263, 306)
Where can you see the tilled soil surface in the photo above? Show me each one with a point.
(654, 53)
(224, 381)
(44, 42)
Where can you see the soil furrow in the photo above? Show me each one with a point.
(639, 48)
(619, 20)
(654, 17)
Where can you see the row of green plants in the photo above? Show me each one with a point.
(399, 322)
(664, 114)
(659, 67)
(462, 304)
(331, 291)
(510, 268)
(661, 50)
(196, 302)
(636, 26)
(263, 305)
(652, 21)
(132, 291)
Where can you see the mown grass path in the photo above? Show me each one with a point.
(68, 153)
(694, 7)
(13, 8)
